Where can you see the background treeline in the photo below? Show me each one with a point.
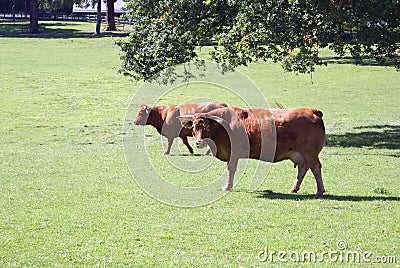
(18, 6)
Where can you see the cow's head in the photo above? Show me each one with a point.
(142, 115)
(202, 127)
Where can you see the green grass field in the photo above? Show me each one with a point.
(67, 198)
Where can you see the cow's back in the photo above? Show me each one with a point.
(185, 109)
(274, 133)
(172, 126)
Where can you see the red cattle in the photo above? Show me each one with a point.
(269, 135)
(164, 119)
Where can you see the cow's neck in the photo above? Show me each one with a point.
(222, 141)
(155, 119)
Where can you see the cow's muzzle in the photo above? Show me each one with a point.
(139, 122)
(200, 144)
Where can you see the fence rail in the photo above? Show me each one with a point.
(21, 16)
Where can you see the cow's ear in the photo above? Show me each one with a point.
(146, 108)
(187, 123)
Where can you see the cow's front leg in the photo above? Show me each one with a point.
(231, 168)
(170, 142)
(301, 172)
(185, 141)
(212, 149)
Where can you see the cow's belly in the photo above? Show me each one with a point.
(265, 153)
(223, 153)
(295, 156)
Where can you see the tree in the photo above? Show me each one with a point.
(98, 19)
(110, 16)
(166, 33)
(13, 8)
(92, 3)
(34, 17)
(53, 5)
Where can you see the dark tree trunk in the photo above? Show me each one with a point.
(34, 17)
(27, 6)
(110, 16)
(13, 10)
(98, 22)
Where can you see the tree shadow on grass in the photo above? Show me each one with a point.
(268, 194)
(375, 137)
(350, 60)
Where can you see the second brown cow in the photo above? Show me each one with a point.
(164, 119)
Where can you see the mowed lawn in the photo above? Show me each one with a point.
(67, 198)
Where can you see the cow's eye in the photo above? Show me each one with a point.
(197, 127)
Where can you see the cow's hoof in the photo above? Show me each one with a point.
(293, 191)
(320, 193)
(166, 152)
(226, 188)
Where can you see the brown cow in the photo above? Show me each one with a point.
(164, 119)
(271, 135)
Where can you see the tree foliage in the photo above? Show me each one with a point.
(57, 5)
(166, 33)
(7, 6)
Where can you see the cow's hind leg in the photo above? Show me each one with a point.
(316, 170)
(301, 172)
(299, 161)
(185, 141)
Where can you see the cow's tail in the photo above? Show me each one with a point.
(318, 113)
(278, 105)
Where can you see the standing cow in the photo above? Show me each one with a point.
(164, 119)
(269, 135)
